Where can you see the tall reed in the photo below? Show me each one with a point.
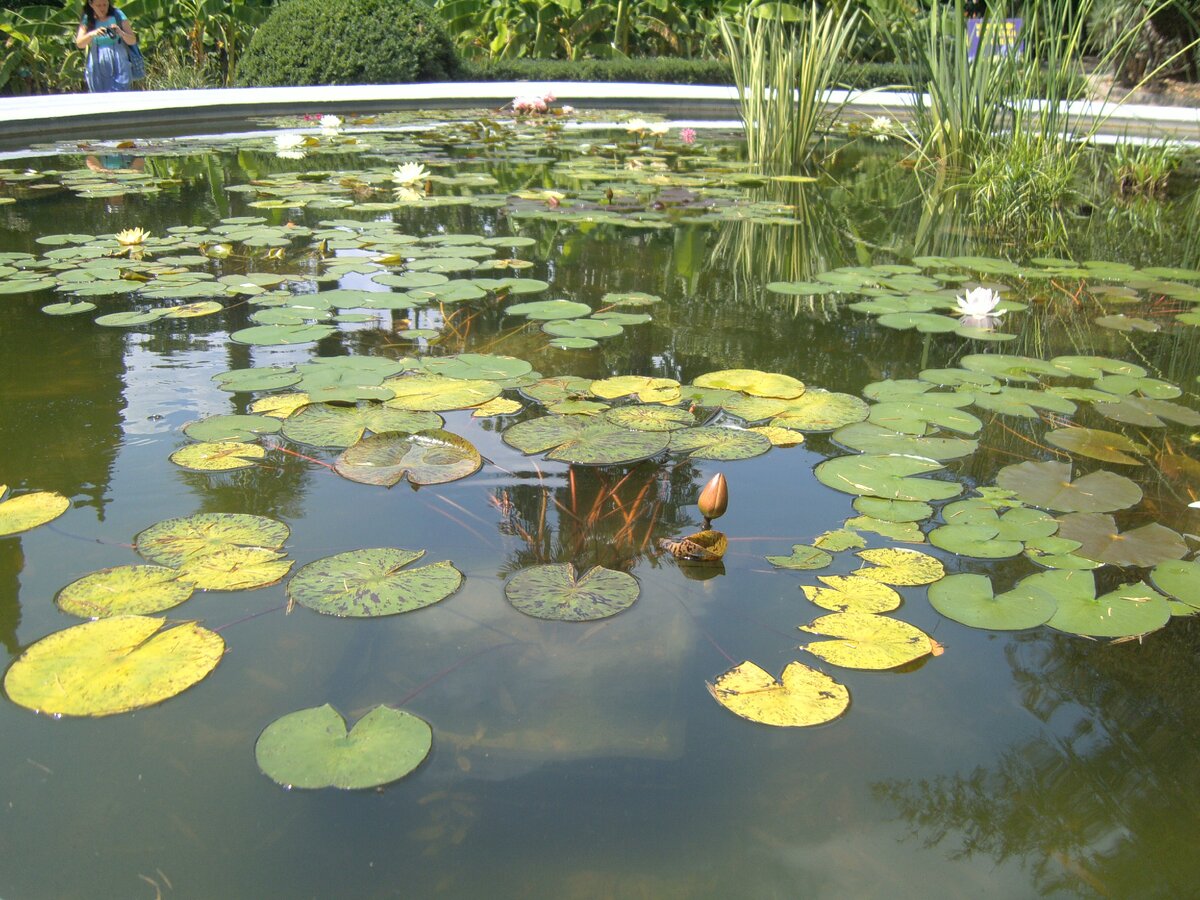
(784, 72)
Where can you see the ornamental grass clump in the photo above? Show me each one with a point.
(311, 42)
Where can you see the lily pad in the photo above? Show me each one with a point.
(1132, 609)
(231, 428)
(754, 383)
(432, 392)
(174, 542)
(649, 417)
(311, 748)
(555, 592)
(124, 590)
(585, 440)
(548, 310)
(646, 389)
(865, 641)
(278, 335)
(875, 440)
(803, 557)
(372, 583)
(28, 511)
(218, 456)
(426, 457)
(1107, 446)
(820, 410)
(900, 566)
(893, 510)
(236, 569)
(478, 366)
(1100, 540)
(1049, 486)
(969, 599)
(888, 477)
(853, 593)
(803, 696)
(112, 666)
(1180, 580)
(326, 425)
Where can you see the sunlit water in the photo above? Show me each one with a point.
(575, 760)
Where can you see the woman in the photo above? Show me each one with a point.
(104, 32)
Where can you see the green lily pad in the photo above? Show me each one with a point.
(174, 542)
(1095, 366)
(68, 308)
(326, 425)
(1049, 486)
(865, 641)
(840, 539)
(588, 329)
(28, 511)
(1009, 368)
(279, 335)
(231, 428)
(554, 390)
(893, 510)
(548, 310)
(364, 583)
(754, 383)
(717, 442)
(426, 457)
(112, 666)
(478, 366)
(124, 590)
(1146, 412)
(311, 748)
(1132, 609)
(1100, 540)
(1015, 401)
(969, 599)
(876, 440)
(1107, 446)
(888, 477)
(915, 416)
(268, 378)
(803, 557)
(647, 390)
(1124, 385)
(630, 298)
(1179, 579)
(585, 440)
(554, 592)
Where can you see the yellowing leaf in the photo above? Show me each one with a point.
(19, 514)
(217, 456)
(501, 406)
(803, 696)
(853, 593)
(864, 641)
(647, 390)
(279, 406)
(898, 565)
(235, 569)
(703, 545)
(111, 666)
(780, 437)
(124, 590)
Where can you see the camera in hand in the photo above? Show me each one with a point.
(112, 31)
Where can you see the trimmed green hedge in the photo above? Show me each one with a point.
(314, 42)
(651, 71)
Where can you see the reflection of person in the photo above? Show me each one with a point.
(104, 32)
(125, 161)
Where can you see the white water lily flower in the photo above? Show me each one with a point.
(881, 127)
(1195, 505)
(131, 237)
(636, 125)
(980, 302)
(409, 173)
(288, 146)
(330, 124)
(659, 128)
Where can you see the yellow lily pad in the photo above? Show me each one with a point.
(501, 406)
(780, 437)
(236, 569)
(900, 566)
(112, 666)
(123, 591)
(852, 593)
(754, 383)
(28, 511)
(803, 696)
(646, 389)
(218, 456)
(864, 641)
(280, 406)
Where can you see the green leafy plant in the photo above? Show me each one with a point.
(1143, 169)
(348, 42)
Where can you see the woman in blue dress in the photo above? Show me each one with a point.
(104, 32)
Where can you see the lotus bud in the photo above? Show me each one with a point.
(714, 499)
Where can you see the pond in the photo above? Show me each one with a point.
(548, 340)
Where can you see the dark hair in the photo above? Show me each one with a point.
(90, 15)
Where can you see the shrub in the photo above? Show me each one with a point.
(313, 42)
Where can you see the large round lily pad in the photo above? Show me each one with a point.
(327, 425)
(1107, 446)
(866, 641)
(1100, 540)
(1179, 579)
(173, 542)
(236, 569)
(555, 592)
(231, 428)
(889, 477)
(820, 410)
(28, 511)
(311, 748)
(478, 366)
(900, 566)
(969, 599)
(1130, 610)
(646, 389)
(372, 583)
(585, 440)
(719, 443)
(218, 456)
(124, 590)
(852, 593)
(112, 666)
(802, 557)
(1049, 485)
(427, 457)
(802, 696)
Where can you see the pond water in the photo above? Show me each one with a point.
(588, 758)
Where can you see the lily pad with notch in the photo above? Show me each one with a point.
(425, 457)
(377, 582)
(802, 697)
(557, 592)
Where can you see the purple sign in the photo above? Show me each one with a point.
(1001, 37)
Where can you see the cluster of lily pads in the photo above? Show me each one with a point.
(931, 294)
